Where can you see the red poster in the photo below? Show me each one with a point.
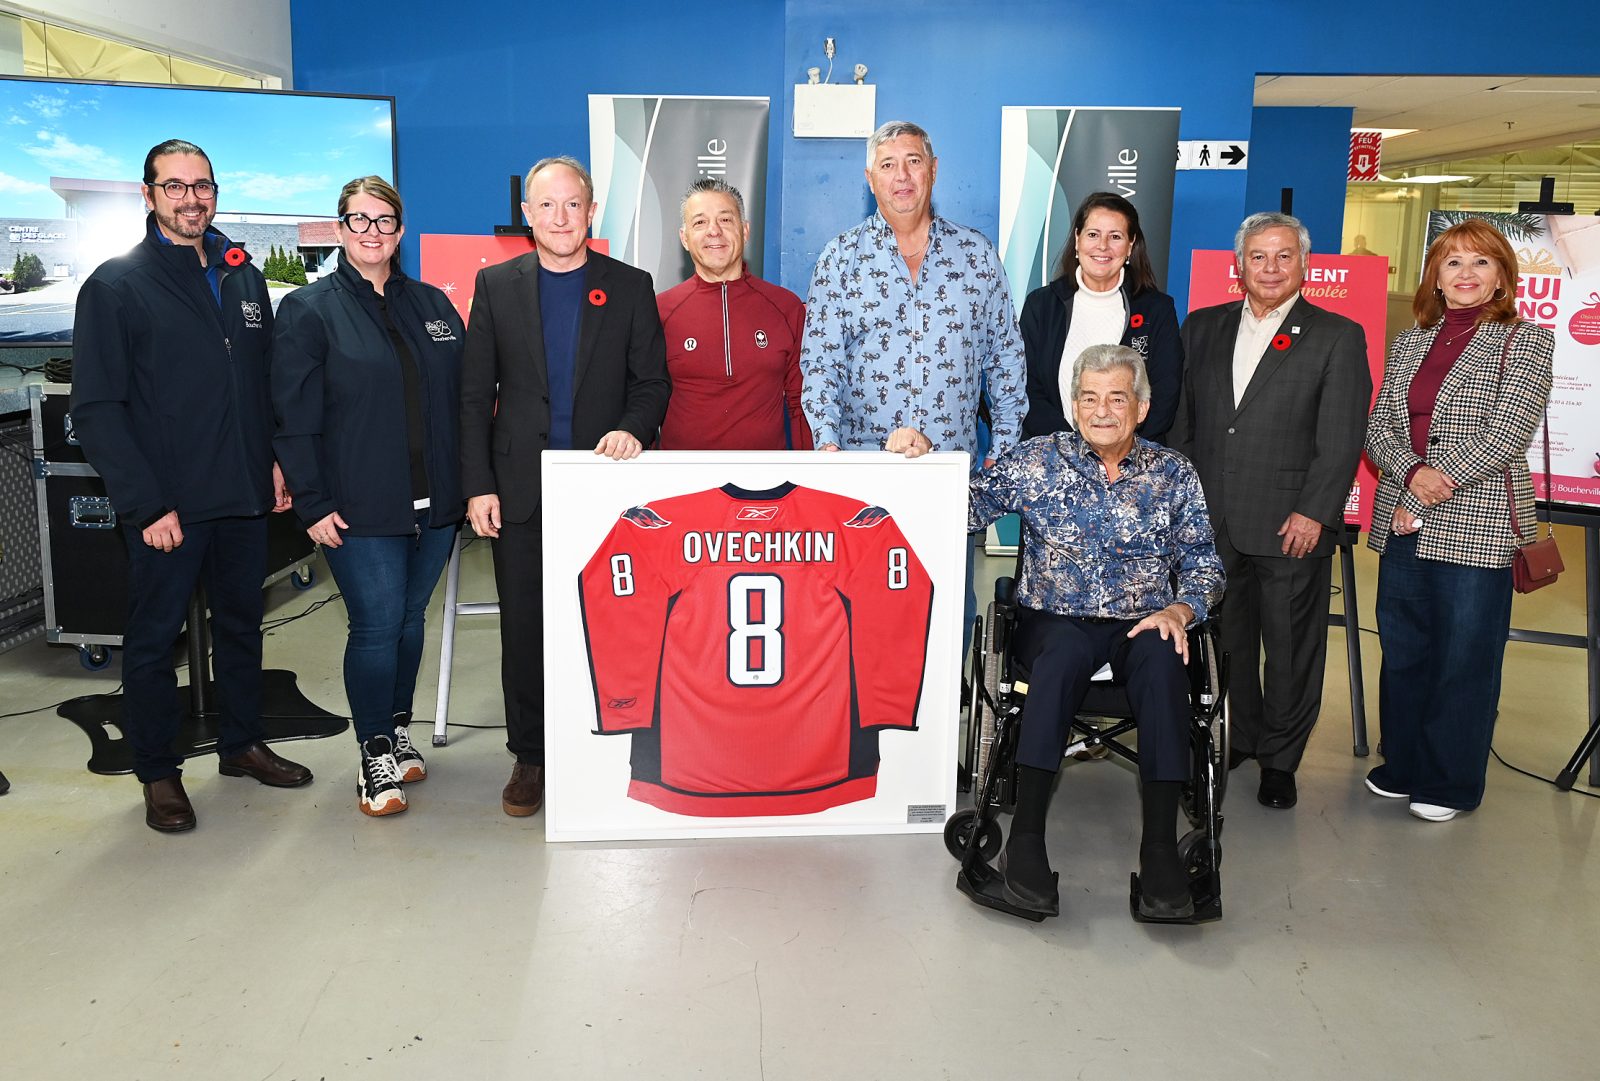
(452, 261)
(1354, 286)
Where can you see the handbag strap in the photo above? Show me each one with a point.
(1511, 498)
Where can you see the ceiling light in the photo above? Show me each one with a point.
(1436, 178)
(1388, 133)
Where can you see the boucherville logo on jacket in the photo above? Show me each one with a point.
(252, 313)
(439, 330)
(755, 644)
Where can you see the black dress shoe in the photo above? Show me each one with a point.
(1237, 758)
(1029, 882)
(1277, 788)
(167, 807)
(265, 765)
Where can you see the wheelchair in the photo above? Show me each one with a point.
(998, 690)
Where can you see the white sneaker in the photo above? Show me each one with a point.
(1384, 792)
(378, 790)
(406, 756)
(1432, 812)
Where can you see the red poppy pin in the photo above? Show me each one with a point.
(234, 257)
(1282, 342)
(597, 297)
(1136, 321)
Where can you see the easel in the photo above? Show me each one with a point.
(1589, 747)
(1351, 621)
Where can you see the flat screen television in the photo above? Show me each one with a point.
(72, 156)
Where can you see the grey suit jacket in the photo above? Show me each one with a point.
(1293, 442)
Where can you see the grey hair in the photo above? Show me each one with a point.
(1267, 219)
(893, 130)
(1104, 358)
(561, 159)
(716, 185)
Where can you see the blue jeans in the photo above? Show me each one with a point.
(386, 582)
(1442, 627)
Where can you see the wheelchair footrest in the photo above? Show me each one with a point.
(1207, 902)
(987, 886)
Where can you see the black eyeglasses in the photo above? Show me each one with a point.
(360, 223)
(177, 189)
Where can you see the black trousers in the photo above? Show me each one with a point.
(1061, 653)
(1277, 605)
(519, 580)
(228, 556)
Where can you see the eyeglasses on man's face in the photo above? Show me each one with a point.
(360, 223)
(177, 189)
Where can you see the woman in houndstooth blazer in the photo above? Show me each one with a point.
(1463, 393)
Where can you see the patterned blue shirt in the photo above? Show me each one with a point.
(1100, 549)
(883, 352)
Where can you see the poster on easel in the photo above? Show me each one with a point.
(1558, 263)
(751, 644)
(1354, 286)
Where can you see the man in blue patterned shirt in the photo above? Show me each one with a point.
(1118, 562)
(909, 323)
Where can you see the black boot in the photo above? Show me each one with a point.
(1024, 863)
(1163, 880)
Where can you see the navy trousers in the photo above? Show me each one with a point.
(229, 557)
(1061, 653)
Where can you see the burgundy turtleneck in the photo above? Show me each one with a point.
(1454, 335)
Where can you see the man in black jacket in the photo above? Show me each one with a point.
(170, 401)
(564, 352)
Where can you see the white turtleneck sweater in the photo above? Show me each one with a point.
(1097, 319)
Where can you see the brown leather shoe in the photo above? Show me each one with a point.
(523, 795)
(167, 807)
(265, 765)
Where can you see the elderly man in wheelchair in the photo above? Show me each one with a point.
(1118, 564)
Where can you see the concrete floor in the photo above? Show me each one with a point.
(291, 938)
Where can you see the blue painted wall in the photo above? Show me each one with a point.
(1307, 150)
(482, 97)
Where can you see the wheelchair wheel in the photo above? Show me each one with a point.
(1192, 851)
(960, 830)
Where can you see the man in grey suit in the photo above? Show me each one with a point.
(1273, 412)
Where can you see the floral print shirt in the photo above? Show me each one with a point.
(1099, 549)
(882, 351)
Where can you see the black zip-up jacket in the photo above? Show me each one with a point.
(1150, 325)
(169, 391)
(339, 397)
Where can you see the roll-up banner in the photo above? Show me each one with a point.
(644, 152)
(1051, 157)
(1558, 264)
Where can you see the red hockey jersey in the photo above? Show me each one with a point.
(755, 643)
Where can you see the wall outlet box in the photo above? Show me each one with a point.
(835, 110)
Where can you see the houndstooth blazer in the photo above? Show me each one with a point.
(1482, 425)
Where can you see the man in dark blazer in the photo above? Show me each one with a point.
(564, 351)
(1273, 413)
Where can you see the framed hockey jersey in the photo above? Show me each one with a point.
(760, 643)
(755, 643)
